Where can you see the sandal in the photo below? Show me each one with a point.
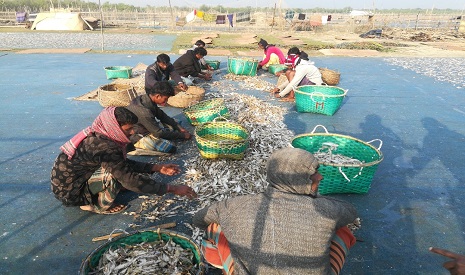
(109, 210)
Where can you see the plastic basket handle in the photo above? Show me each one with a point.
(316, 94)
(380, 142)
(220, 117)
(345, 176)
(319, 125)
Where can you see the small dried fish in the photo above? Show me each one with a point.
(147, 258)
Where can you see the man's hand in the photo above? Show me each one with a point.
(166, 169)
(456, 266)
(187, 135)
(181, 190)
(182, 86)
(207, 76)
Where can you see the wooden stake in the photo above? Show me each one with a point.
(162, 226)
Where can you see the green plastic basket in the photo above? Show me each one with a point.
(277, 68)
(242, 66)
(118, 72)
(206, 111)
(222, 139)
(320, 99)
(215, 64)
(92, 260)
(339, 178)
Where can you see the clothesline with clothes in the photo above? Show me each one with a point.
(218, 18)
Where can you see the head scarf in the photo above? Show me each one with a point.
(289, 170)
(105, 124)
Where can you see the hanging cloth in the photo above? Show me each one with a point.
(242, 17)
(209, 17)
(220, 19)
(190, 17)
(230, 18)
(301, 16)
(200, 14)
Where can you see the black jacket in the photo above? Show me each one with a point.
(149, 116)
(187, 64)
(154, 73)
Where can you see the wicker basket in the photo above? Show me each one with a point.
(185, 99)
(118, 72)
(330, 77)
(116, 94)
(277, 68)
(92, 260)
(206, 111)
(242, 66)
(320, 99)
(340, 178)
(215, 64)
(222, 139)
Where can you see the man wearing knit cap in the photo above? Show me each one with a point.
(288, 229)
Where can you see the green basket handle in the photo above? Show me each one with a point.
(316, 93)
(319, 125)
(345, 176)
(376, 139)
(220, 117)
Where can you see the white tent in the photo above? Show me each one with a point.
(60, 21)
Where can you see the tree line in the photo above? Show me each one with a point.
(45, 5)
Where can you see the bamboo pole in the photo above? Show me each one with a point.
(101, 24)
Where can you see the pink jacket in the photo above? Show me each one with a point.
(270, 50)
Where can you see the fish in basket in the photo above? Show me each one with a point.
(146, 252)
(185, 99)
(346, 163)
(222, 139)
(206, 111)
(319, 99)
(118, 72)
(242, 66)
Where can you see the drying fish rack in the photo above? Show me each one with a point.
(343, 178)
(222, 139)
(320, 99)
(92, 260)
(206, 111)
(242, 66)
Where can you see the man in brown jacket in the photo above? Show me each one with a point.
(288, 229)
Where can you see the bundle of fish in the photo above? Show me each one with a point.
(251, 82)
(147, 258)
(325, 155)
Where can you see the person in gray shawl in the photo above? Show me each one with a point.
(288, 229)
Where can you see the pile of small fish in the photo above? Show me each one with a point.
(147, 258)
(325, 155)
(355, 225)
(251, 82)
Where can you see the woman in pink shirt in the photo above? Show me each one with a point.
(273, 55)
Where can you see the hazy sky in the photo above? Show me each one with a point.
(355, 4)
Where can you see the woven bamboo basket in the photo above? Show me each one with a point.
(185, 99)
(118, 72)
(320, 99)
(116, 94)
(222, 139)
(343, 178)
(242, 66)
(206, 111)
(149, 236)
(277, 68)
(330, 77)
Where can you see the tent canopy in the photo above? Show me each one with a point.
(60, 21)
